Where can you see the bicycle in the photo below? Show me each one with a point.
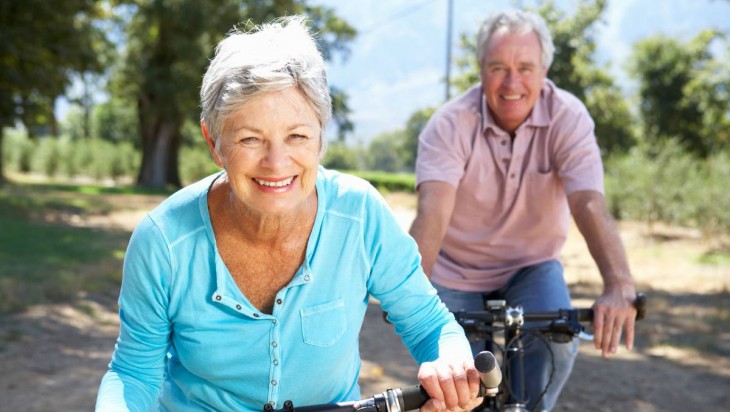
(563, 326)
(405, 399)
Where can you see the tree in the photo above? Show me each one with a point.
(572, 69)
(383, 152)
(43, 45)
(684, 91)
(168, 47)
(340, 111)
(409, 145)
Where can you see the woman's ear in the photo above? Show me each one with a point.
(211, 145)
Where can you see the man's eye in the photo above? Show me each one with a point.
(298, 137)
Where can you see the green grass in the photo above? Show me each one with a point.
(715, 258)
(42, 258)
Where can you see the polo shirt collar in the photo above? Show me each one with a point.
(539, 117)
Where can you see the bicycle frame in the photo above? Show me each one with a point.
(563, 326)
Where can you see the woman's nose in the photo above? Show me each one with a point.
(276, 155)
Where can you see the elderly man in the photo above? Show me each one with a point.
(499, 171)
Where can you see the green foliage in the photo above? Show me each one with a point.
(387, 182)
(341, 157)
(115, 121)
(67, 157)
(466, 64)
(340, 112)
(44, 44)
(196, 163)
(684, 91)
(17, 150)
(169, 44)
(414, 126)
(46, 157)
(667, 183)
(384, 152)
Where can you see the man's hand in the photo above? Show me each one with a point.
(613, 313)
(452, 385)
(614, 310)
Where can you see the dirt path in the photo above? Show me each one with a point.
(52, 356)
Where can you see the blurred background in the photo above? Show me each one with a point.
(100, 112)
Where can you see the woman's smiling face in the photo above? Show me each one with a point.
(270, 150)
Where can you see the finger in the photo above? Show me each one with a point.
(474, 404)
(598, 327)
(429, 380)
(473, 378)
(461, 384)
(607, 332)
(616, 335)
(448, 387)
(629, 327)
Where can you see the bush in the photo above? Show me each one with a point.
(51, 157)
(341, 157)
(666, 183)
(17, 150)
(195, 163)
(388, 182)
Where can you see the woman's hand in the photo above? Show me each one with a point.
(452, 384)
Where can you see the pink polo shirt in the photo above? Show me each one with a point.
(511, 207)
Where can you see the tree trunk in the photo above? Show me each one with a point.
(2, 168)
(160, 148)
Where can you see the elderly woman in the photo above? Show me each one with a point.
(249, 287)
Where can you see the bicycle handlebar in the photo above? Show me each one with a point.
(581, 314)
(400, 399)
(562, 322)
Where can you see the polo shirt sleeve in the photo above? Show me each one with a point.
(444, 147)
(396, 279)
(136, 371)
(575, 152)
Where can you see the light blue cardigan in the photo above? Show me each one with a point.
(190, 340)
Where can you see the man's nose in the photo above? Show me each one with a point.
(509, 78)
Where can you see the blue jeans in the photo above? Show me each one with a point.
(538, 288)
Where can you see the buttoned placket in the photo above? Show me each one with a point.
(501, 146)
(303, 277)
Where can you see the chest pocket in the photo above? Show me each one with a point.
(323, 325)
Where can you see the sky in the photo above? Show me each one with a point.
(397, 63)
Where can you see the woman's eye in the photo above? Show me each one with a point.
(250, 141)
(298, 137)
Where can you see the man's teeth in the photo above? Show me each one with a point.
(511, 97)
(280, 183)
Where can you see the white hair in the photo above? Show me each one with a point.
(518, 22)
(270, 58)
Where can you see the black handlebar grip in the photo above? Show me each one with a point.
(584, 315)
(640, 304)
(414, 397)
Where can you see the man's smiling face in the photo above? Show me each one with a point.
(512, 77)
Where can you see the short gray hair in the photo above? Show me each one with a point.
(270, 58)
(518, 22)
